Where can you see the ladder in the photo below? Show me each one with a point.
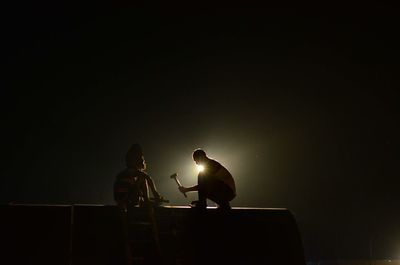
(142, 235)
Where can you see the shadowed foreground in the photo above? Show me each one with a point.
(96, 234)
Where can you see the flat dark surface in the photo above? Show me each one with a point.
(35, 235)
(187, 236)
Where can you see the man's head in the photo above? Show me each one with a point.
(199, 156)
(134, 157)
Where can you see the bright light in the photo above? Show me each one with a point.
(200, 168)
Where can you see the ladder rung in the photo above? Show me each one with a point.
(140, 241)
(140, 223)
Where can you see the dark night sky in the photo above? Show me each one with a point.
(300, 105)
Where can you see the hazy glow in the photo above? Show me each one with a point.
(200, 168)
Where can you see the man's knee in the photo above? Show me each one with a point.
(221, 196)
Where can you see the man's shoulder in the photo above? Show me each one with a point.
(142, 174)
(214, 162)
(219, 167)
(130, 172)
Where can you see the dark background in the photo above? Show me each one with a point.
(299, 102)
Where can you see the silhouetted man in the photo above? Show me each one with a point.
(131, 192)
(131, 186)
(214, 182)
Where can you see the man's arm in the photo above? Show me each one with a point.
(188, 189)
(152, 187)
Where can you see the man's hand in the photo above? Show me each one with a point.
(157, 195)
(158, 200)
(183, 189)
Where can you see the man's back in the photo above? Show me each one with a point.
(215, 169)
(130, 187)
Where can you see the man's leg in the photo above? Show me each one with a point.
(221, 194)
(202, 194)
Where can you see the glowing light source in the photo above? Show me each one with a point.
(200, 168)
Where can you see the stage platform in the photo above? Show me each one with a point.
(86, 234)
